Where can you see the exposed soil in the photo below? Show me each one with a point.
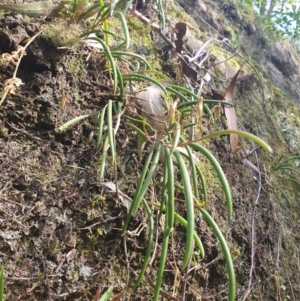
(60, 228)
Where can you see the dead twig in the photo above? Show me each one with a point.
(24, 132)
(162, 293)
(101, 222)
(253, 233)
(289, 280)
(127, 267)
(15, 59)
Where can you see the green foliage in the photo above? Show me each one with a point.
(170, 154)
(174, 149)
(107, 294)
(286, 172)
(1, 282)
(284, 16)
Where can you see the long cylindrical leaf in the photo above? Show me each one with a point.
(140, 121)
(184, 223)
(74, 8)
(290, 159)
(138, 77)
(140, 194)
(100, 126)
(226, 252)
(188, 195)
(212, 101)
(193, 170)
(125, 53)
(185, 90)
(138, 130)
(134, 204)
(294, 180)
(105, 26)
(1, 282)
(103, 158)
(170, 199)
(284, 195)
(121, 83)
(177, 93)
(115, 6)
(149, 245)
(110, 131)
(240, 133)
(111, 60)
(220, 173)
(169, 220)
(176, 136)
(161, 14)
(164, 187)
(87, 13)
(198, 241)
(203, 183)
(72, 122)
(108, 32)
(162, 261)
(107, 294)
(125, 29)
(291, 169)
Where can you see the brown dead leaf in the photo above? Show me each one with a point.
(230, 114)
(188, 70)
(126, 201)
(229, 91)
(149, 104)
(216, 96)
(97, 295)
(118, 296)
(251, 165)
(181, 28)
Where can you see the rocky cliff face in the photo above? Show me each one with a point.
(272, 64)
(267, 104)
(278, 59)
(61, 226)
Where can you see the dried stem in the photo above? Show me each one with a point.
(13, 80)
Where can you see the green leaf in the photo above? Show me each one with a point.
(144, 182)
(125, 53)
(176, 135)
(193, 171)
(284, 195)
(72, 122)
(169, 220)
(1, 282)
(171, 189)
(100, 126)
(103, 159)
(226, 252)
(220, 173)
(240, 133)
(188, 196)
(149, 245)
(35, 9)
(198, 242)
(107, 294)
(138, 77)
(125, 29)
(110, 131)
(111, 60)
